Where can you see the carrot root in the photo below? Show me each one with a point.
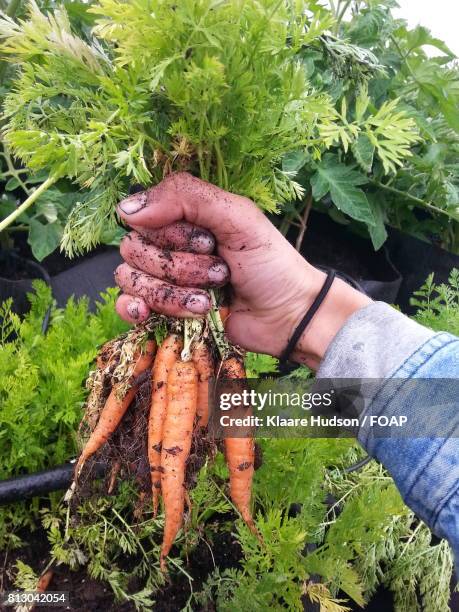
(44, 580)
(202, 359)
(113, 476)
(167, 355)
(114, 410)
(178, 430)
(240, 456)
(224, 313)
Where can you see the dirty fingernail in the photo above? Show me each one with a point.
(203, 243)
(133, 203)
(218, 273)
(133, 310)
(197, 303)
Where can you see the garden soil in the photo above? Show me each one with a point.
(89, 595)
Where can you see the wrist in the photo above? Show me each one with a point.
(339, 304)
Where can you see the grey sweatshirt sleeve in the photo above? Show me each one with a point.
(373, 343)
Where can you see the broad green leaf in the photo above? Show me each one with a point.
(294, 161)
(43, 238)
(378, 233)
(452, 194)
(364, 151)
(343, 183)
(11, 184)
(113, 235)
(422, 36)
(7, 205)
(449, 109)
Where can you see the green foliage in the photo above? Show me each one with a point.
(394, 138)
(382, 137)
(47, 219)
(257, 364)
(44, 225)
(388, 133)
(223, 96)
(428, 89)
(207, 497)
(351, 531)
(42, 383)
(359, 532)
(274, 575)
(438, 305)
(110, 529)
(343, 183)
(26, 578)
(421, 568)
(102, 537)
(204, 86)
(290, 468)
(351, 545)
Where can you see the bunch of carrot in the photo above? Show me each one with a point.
(179, 407)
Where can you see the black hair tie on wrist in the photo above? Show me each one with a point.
(308, 317)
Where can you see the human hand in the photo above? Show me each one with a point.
(168, 265)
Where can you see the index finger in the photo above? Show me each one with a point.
(179, 236)
(182, 196)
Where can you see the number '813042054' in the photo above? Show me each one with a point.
(50, 598)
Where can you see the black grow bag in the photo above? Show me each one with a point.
(16, 276)
(330, 245)
(416, 259)
(87, 278)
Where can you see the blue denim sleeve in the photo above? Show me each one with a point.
(425, 469)
(380, 343)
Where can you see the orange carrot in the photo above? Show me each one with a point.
(224, 313)
(114, 409)
(202, 359)
(182, 401)
(44, 580)
(240, 455)
(167, 355)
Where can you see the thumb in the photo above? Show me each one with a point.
(182, 196)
